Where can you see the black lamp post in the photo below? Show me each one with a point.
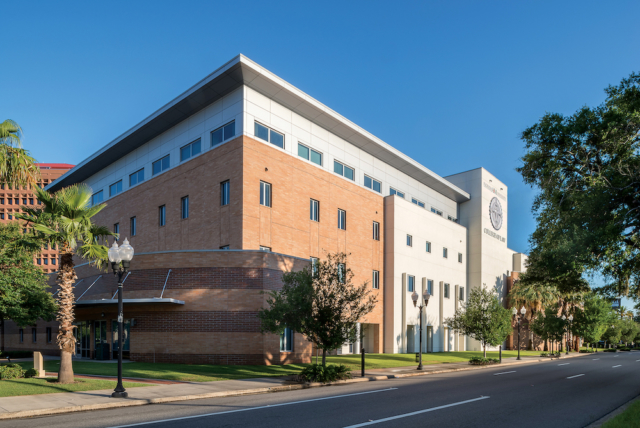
(425, 298)
(120, 258)
(514, 311)
(570, 333)
(566, 335)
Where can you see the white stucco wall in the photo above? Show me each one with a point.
(403, 218)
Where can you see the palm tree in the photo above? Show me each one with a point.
(65, 220)
(17, 167)
(535, 297)
(625, 312)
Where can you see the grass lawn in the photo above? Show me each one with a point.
(207, 372)
(13, 387)
(630, 418)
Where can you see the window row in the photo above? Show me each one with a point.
(16, 201)
(45, 261)
(218, 136)
(411, 287)
(34, 335)
(445, 250)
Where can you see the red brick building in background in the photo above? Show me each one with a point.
(11, 201)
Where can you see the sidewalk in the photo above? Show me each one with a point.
(48, 404)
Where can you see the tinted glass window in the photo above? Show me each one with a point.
(303, 151)
(277, 139)
(316, 157)
(261, 132)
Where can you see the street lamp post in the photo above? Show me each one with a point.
(514, 311)
(425, 298)
(120, 258)
(566, 337)
(570, 332)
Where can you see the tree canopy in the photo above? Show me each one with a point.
(593, 318)
(17, 167)
(482, 318)
(24, 298)
(321, 302)
(587, 169)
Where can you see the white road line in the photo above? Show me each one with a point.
(578, 375)
(498, 374)
(253, 408)
(637, 361)
(565, 364)
(595, 359)
(619, 365)
(406, 415)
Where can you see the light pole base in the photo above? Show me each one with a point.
(122, 394)
(419, 367)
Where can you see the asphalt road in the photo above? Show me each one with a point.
(559, 393)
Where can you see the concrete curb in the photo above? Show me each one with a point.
(609, 416)
(141, 402)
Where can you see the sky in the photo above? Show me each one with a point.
(450, 84)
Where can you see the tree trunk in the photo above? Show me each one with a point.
(66, 301)
(324, 357)
(1, 333)
(484, 349)
(546, 345)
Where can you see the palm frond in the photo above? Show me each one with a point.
(10, 133)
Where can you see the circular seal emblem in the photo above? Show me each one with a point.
(495, 212)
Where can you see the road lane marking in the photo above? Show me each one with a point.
(498, 374)
(619, 365)
(253, 408)
(595, 359)
(565, 364)
(637, 361)
(578, 375)
(419, 412)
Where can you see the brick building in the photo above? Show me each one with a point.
(243, 177)
(12, 199)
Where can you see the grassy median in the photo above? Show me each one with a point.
(14, 387)
(630, 418)
(208, 372)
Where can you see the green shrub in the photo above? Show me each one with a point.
(481, 361)
(587, 351)
(550, 354)
(31, 373)
(324, 374)
(609, 350)
(624, 349)
(11, 371)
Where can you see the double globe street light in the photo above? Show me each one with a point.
(514, 311)
(120, 257)
(425, 298)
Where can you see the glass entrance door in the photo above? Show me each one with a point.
(83, 339)
(115, 338)
(101, 345)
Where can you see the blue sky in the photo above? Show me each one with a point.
(451, 84)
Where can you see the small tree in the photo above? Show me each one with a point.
(628, 330)
(24, 298)
(591, 321)
(483, 318)
(319, 302)
(613, 333)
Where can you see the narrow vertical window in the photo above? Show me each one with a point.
(225, 188)
(341, 272)
(461, 294)
(314, 266)
(430, 286)
(411, 283)
(185, 207)
(314, 210)
(286, 340)
(132, 222)
(446, 291)
(428, 247)
(342, 219)
(162, 215)
(459, 257)
(34, 335)
(265, 194)
(48, 334)
(21, 335)
(116, 229)
(409, 241)
(375, 280)
(376, 231)
(445, 253)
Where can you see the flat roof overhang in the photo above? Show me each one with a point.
(232, 75)
(150, 301)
